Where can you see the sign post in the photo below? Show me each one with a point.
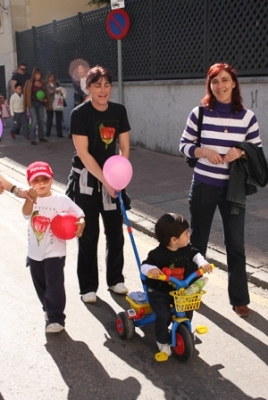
(117, 26)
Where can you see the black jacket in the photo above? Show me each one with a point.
(246, 174)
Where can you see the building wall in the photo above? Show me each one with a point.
(42, 12)
(158, 110)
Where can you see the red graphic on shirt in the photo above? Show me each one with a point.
(107, 134)
(39, 225)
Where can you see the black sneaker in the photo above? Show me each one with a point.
(33, 142)
(43, 140)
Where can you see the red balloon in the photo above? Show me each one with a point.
(63, 226)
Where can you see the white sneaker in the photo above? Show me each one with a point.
(164, 347)
(54, 328)
(89, 297)
(119, 288)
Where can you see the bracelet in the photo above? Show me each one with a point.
(16, 191)
(12, 189)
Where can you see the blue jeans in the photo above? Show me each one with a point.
(20, 123)
(37, 118)
(203, 201)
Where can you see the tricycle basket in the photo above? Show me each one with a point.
(186, 302)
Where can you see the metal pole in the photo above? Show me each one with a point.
(120, 79)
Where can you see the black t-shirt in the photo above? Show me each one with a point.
(162, 257)
(101, 127)
(21, 78)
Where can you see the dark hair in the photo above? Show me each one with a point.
(97, 72)
(49, 74)
(209, 99)
(37, 70)
(22, 63)
(168, 226)
(17, 85)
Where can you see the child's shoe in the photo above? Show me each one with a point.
(164, 347)
(164, 352)
(54, 328)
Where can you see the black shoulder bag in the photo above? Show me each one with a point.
(192, 161)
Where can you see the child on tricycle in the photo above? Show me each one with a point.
(174, 252)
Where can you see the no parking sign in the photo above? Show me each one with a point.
(118, 24)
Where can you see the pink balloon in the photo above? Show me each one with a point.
(117, 171)
(1, 128)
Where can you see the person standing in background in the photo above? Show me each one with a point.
(35, 104)
(9, 90)
(18, 114)
(4, 114)
(53, 89)
(20, 76)
(79, 83)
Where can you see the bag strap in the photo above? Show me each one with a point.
(199, 124)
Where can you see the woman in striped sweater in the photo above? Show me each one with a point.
(225, 124)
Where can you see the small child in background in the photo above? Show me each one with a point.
(4, 109)
(47, 253)
(18, 114)
(175, 252)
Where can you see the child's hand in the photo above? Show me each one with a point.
(207, 268)
(80, 227)
(154, 273)
(33, 193)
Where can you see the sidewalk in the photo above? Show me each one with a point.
(160, 184)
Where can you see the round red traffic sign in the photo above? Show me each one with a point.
(117, 24)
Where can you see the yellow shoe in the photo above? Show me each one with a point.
(161, 356)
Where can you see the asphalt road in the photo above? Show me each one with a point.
(89, 360)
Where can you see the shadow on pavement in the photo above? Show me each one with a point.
(192, 380)
(255, 345)
(83, 374)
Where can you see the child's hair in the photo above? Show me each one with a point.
(168, 226)
(17, 85)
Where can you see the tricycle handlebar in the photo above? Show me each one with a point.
(181, 283)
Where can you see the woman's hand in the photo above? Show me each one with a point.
(213, 157)
(111, 191)
(233, 154)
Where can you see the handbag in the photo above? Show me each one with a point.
(58, 102)
(192, 161)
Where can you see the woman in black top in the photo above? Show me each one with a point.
(97, 126)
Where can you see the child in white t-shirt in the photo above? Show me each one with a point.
(46, 252)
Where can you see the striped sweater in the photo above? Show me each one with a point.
(242, 127)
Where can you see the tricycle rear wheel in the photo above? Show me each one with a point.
(184, 348)
(124, 326)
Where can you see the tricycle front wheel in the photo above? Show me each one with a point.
(124, 326)
(184, 348)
